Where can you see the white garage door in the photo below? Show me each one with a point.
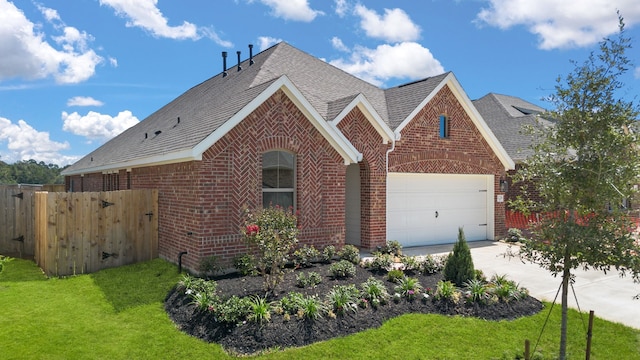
(428, 209)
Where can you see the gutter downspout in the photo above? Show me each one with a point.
(386, 184)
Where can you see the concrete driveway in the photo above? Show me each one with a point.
(608, 295)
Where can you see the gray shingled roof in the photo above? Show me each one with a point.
(507, 116)
(205, 107)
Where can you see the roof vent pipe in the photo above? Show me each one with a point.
(224, 63)
(239, 67)
(250, 54)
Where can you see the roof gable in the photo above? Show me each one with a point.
(450, 80)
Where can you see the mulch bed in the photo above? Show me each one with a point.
(250, 337)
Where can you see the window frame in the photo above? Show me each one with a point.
(278, 189)
(444, 129)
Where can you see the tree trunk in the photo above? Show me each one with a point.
(566, 276)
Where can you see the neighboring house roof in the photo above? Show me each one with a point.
(184, 128)
(507, 116)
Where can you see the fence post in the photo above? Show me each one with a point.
(527, 350)
(589, 335)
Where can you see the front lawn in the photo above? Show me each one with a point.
(118, 314)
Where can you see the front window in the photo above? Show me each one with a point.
(278, 179)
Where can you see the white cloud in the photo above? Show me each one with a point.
(25, 143)
(341, 7)
(395, 25)
(84, 101)
(26, 54)
(407, 60)
(113, 61)
(337, 44)
(561, 24)
(297, 10)
(146, 15)
(48, 13)
(96, 126)
(265, 42)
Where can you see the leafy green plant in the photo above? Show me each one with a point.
(342, 269)
(394, 247)
(260, 309)
(410, 263)
(310, 279)
(409, 287)
(432, 264)
(203, 300)
(477, 291)
(328, 253)
(395, 275)
(343, 298)
(459, 266)
(311, 307)
(381, 262)
(245, 264)
(305, 256)
(233, 310)
(3, 260)
(209, 265)
(505, 289)
(374, 291)
(292, 302)
(350, 253)
(515, 235)
(272, 232)
(446, 290)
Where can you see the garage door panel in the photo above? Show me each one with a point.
(414, 199)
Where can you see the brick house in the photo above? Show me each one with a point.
(359, 164)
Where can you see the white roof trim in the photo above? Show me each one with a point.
(174, 157)
(370, 113)
(348, 152)
(473, 113)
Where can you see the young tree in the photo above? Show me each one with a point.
(459, 266)
(583, 169)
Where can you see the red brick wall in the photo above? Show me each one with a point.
(465, 151)
(367, 141)
(202, 202)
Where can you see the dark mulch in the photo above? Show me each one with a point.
(250, 338)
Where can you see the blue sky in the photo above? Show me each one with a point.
(73, 74)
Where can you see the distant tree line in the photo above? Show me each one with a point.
(30, 172)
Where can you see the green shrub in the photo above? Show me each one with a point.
(505, 289)
(292, 302)
(380, 262)
(394, 247)
(395, 275)
(350, 253)
(272, 232)
(410, 263)
(209, 265)
(328, 253)
(305, 256)
(245, 264)
(311, 279)
(374, 291)
(342, 269)
(515, 235)
(459, 266)
(432, 264)
(234, 310)
(343, 298)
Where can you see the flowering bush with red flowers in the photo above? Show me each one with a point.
(272, 233)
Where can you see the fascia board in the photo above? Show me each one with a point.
(169, 158)
(370, 113)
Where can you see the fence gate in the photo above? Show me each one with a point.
(84, 232)
(17, 217)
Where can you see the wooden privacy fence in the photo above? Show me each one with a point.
(85, 232)
(17, 218)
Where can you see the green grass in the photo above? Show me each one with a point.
(118, 314)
